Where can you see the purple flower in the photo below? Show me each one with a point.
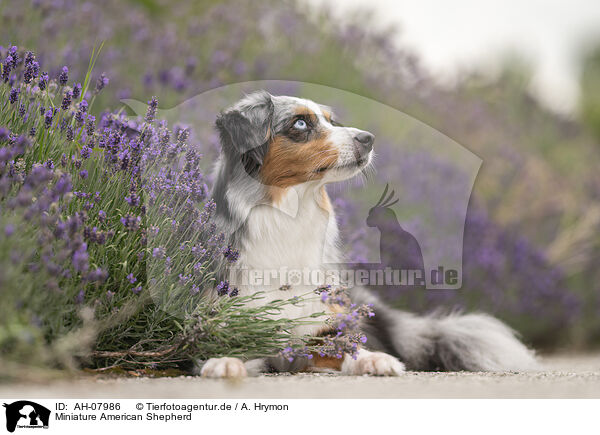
(133, 199)
(131, 223)
(80, 115)
(63, 185)
(32, 70)
(6, 68)
(102, 215)
(151, 112)
(101, 83)
(48, 117)
(14, 95)
(137, 289)
(70, 135)
(9, 63)
(85, 152)
(83, 173)
(232, 255)
(63, 77)
(182, 136)
(9, 230)
(223, 288)
(12, 51)
(289, 353)
(29, 57)
(80, 259)
(66, 102)
(38, 176)
(5, 155)
(77, 90)
(80, 298)
(44, 78)
(91, 125)
(97, 275)
(132, 279)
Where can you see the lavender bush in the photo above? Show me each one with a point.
(531, 239)
(108, 246)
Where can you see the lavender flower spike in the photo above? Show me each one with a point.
(101, 83)
(14, 95)
(48, 116)
(77, 90)
(63, 77)
(66, 102)
(151, 112)
(44, 78)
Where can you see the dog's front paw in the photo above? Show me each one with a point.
(224, 368)
(373, 363)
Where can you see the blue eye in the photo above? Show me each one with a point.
(300, 124)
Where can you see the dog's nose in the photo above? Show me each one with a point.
(364, 141)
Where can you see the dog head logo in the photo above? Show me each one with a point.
(26, 414)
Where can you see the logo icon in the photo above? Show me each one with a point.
(398, 248)
(26, 414)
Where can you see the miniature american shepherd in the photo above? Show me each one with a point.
(277, 155)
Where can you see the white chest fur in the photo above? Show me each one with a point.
(286, 249)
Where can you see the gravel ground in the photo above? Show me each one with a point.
(565, 376)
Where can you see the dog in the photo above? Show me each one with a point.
(277, 155)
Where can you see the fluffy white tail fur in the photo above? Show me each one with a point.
(454, 342)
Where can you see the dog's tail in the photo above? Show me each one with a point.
(454, 342)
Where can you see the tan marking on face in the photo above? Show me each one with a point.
(307, 113)
(327, 115)
(288, 163)
(304, 110)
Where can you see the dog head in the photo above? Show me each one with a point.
(286, 141)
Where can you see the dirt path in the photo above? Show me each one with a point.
(564, 377)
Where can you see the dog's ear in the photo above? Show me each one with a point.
(245, 130)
